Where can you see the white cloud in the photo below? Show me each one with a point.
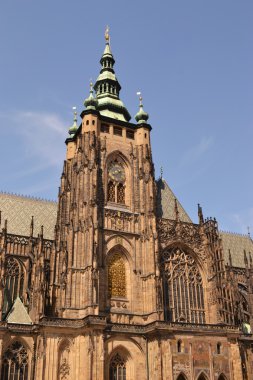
(42, 136)
(194, 153)
(243, 220)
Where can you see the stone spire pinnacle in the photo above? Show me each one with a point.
(108, 88)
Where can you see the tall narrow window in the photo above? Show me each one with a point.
(116, 276)
(183, 287)
(14, 283)
(111, 192)
(120, 193)
(15, 363)
(117, 368)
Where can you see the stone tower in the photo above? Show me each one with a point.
(106, 238)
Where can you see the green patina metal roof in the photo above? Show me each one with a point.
(108, 88)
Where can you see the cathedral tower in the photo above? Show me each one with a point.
(106, 238)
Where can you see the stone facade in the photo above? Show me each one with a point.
(128, 287)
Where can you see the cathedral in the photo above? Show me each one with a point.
(114, 281)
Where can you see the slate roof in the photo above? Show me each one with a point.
(166, 202)
(18, 210)
(237, 244)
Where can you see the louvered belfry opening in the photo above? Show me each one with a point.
(15, 362)
(183, 287)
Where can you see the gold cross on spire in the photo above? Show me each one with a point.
(107, 35)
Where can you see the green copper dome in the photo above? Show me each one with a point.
(141, 116)
(74, 127)
(91, 103)
(108, 88)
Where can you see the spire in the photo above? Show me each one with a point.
(91, 103)
(108, 88)
(141, 116)
(73, 128)
(200, 214)
(176, 210)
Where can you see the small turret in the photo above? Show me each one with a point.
(74, 127)
(91, 103)
(141, 116)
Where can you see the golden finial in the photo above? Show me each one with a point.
(107, 36)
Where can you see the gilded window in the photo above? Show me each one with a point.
(111, 192)
(183, 287)
(15, 363)
(117, 276)
(14, 283)
(120, 193)
(117, 368)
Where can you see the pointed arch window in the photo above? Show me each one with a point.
(182, 377)
(14, 283)
(117, 368)
(221, 377)
(116, 182)
(183, 287)
(15, 363)
(117, 276)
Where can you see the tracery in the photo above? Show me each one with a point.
(183, 287)
(14, 283)
(15, 363)
(116, 182)
(117, 368)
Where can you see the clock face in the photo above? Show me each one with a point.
(116, 172)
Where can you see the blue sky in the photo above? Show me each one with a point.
(193, 62)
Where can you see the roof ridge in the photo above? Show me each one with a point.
(234, 233)
(27, 197)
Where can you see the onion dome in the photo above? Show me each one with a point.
(74, 127)
(141, 116)
(91, 103)
(108, 88)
